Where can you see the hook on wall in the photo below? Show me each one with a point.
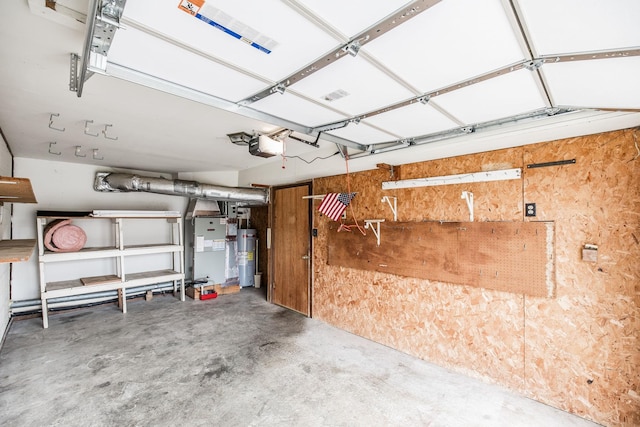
(51, 123)
(95, 155)
(104, 132)
(86, 128)
(51, 144)
(77, 153)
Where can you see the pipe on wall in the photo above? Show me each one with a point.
(106, 181)
(78, 300)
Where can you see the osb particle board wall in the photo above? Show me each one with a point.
(579, 351)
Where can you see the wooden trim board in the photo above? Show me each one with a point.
(100, 280)
(16, 190)
(16, 250)
(513, 257)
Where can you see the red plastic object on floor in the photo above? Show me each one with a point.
(212, 295)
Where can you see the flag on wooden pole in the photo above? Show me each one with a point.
(334, 204)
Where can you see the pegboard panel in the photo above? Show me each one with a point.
(513, 257)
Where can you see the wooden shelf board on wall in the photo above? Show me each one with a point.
(16, 190)
(16, 250)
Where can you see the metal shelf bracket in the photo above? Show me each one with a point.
(394, 207)
(468, 196)
(369, 223)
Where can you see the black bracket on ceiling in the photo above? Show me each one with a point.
(544, 165)
(311, 143)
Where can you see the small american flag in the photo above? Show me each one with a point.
(334, 204)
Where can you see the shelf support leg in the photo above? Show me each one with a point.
(43, 283)
(45, 313)
(181, 256)
(122, 299)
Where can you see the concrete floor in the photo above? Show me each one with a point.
(233, 361)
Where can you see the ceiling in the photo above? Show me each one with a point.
(167, 87)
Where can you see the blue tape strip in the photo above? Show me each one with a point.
(233, 34)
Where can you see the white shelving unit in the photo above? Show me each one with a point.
(122, 223)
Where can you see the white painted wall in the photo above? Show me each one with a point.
(227, 179)
(5, 233)
(69, 186)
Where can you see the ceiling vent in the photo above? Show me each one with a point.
(335, 95)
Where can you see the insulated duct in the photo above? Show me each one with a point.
(106, 181)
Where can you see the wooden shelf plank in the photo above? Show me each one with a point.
(103, 214)
(100, 280)
(16, 190)
(16, 250)
(76, 287)
(109, 252)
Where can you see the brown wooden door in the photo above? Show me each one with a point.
(291, 246)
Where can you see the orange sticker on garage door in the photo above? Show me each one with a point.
(191, 7)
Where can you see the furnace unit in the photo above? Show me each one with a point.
(207, 250)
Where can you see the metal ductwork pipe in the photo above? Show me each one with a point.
(106, 181)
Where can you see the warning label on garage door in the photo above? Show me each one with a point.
(227, 24)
